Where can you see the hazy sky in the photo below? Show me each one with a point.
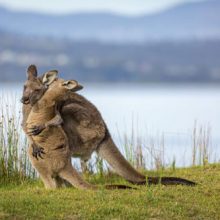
(66, 6)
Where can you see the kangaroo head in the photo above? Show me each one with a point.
(71, 85)
(35, 86)
(61, 88)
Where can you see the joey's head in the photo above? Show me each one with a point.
(61, 88)
(35, 86)
(71, 85)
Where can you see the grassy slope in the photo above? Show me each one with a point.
(32, 201)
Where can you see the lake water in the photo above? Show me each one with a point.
(153, 114)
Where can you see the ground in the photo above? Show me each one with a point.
(30, 200)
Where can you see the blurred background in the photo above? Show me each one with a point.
(151, 67)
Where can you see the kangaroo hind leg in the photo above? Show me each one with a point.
(73, 177)
(49, 182)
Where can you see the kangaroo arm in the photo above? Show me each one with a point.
(56, 121)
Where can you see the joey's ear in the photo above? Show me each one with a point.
(49, 77)
(31, 72)
(72, 85)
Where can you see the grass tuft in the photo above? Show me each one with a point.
(14, 162)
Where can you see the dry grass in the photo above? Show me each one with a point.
(14, 163)
(142, 154)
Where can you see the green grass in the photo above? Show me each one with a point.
(22, 196)
(30, 200)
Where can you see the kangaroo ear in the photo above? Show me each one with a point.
(49, 77)
(72, 85)
(31, 72)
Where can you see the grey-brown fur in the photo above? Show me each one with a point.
(87, 132)
(57, 158)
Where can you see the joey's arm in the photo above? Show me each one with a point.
(56, 121)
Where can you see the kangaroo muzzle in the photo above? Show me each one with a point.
(25, 100)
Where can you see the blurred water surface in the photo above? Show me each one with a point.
(148, 112)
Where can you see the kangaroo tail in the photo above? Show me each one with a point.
(170, 181)
(109, 152)
(118, 186)
(167, 181)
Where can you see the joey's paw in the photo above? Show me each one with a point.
(37, 151)
(35, 130)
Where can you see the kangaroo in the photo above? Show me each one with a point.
(57, 157)
(86, 131)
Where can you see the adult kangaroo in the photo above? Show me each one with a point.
(86, 131)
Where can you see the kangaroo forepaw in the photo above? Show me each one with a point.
(35, 130)
(37, 152)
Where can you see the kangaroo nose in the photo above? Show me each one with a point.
(25, 100)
